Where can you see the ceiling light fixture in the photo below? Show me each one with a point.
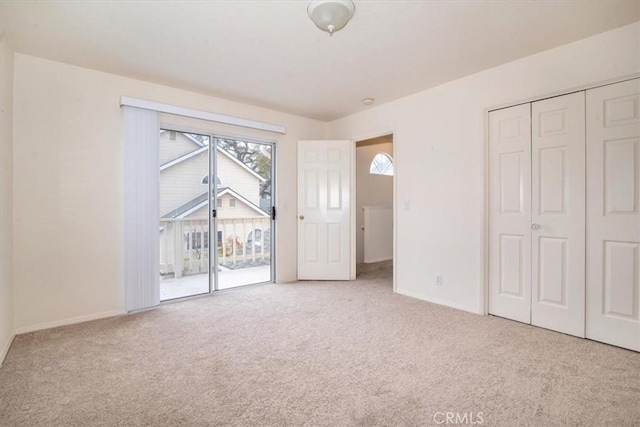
(368, 101)
(331, 15)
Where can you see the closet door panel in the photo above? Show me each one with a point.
(558, 214)
(613, 214)
(510, 213)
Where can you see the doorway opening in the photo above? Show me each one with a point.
(374, 204)
(223, 184)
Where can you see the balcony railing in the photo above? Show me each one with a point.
(241, 243)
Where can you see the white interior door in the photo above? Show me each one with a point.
(558, 214)
(326, 248)
(510, 213)
(613, 215)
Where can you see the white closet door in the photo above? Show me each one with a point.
(613, 215)
(558, 214)
(510, 213)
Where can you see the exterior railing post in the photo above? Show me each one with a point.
(178, 246)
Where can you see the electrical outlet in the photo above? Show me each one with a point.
(407, 205)
(439, 280)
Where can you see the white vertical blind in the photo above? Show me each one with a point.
(141, 216)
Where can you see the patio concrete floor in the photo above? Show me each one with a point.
(195, 284)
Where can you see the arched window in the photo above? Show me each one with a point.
(382, 164)
(205, 181)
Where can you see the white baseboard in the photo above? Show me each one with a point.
(372, 260)
(5, 349)
(70, 321)
(473, 310)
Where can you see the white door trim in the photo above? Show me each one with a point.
(395, 204)
(484, 191)
(352, 198)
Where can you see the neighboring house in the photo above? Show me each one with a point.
(184, 205)
(184, 170)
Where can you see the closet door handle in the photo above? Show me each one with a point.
(535, 226)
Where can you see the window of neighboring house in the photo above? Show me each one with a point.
(205, 181)
(219, 203)
(382, 164)
(220, 239)
(232, 203)
(195, 240)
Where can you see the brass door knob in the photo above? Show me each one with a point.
(301, 217)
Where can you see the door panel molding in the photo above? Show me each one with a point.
(558, 208)
(618, 296)
(510, 213)
(613, 227)
(326, 217)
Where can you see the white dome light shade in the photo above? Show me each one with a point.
(331, 15)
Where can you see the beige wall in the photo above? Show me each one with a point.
(371, 190)
(68, 194)
(6, 197)
(67, 181)
(439, 148)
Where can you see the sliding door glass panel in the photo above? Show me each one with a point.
(244, 204)
(184, 214)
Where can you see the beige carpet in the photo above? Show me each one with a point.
(332, 354)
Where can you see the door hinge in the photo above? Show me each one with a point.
(273, 213)
(214, 213)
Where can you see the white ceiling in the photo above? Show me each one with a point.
(268, 52)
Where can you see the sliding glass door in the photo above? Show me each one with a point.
(221, 184)
(184, 214)
(244, 211)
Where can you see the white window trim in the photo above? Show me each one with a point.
(219, 184)
(222, 193)
(183, 158)
(388, 169)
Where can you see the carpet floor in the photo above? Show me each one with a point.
(317, 354)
